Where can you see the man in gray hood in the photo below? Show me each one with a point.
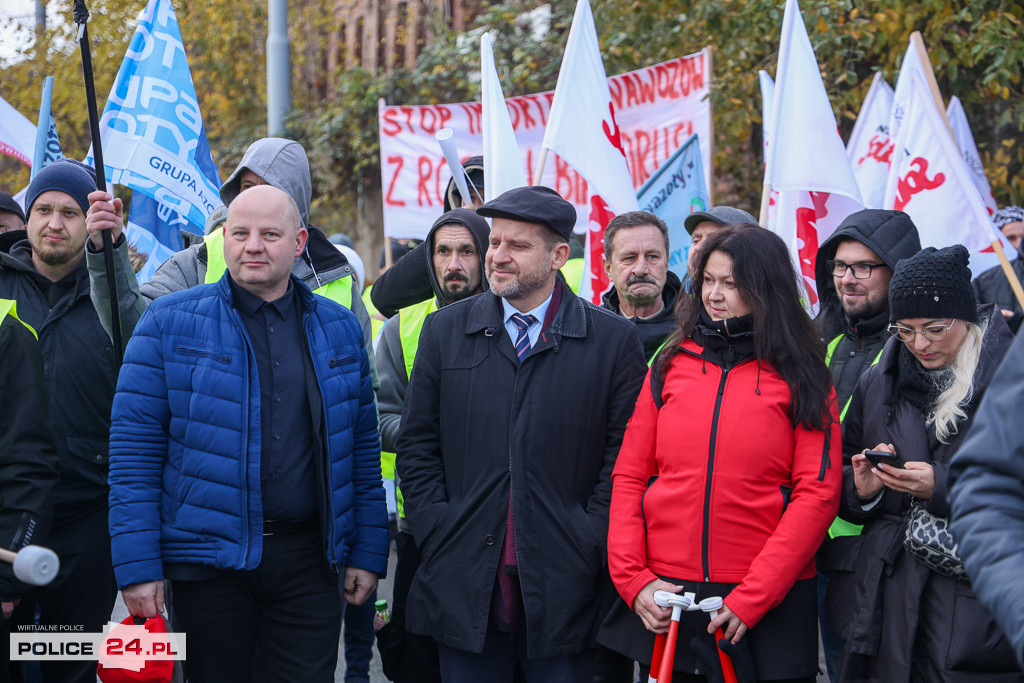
(283, 164)
(456, 247)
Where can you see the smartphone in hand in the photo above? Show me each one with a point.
(885, 458)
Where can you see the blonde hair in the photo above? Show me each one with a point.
(949, 406)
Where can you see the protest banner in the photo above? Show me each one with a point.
(656, 108)
(676, 190)
(153, 136)
(47, 147)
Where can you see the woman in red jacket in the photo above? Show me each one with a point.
(730, 469)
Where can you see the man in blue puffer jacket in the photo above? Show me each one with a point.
(245, 460)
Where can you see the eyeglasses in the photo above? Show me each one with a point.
(933, 333)
(861, 271)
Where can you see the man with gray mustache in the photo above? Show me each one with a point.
(645, 290)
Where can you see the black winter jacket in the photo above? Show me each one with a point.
(656, 329)
(987, 494)
(79, 368)
(28, 463)
(992, 287)
(900, 620)
(477, 426)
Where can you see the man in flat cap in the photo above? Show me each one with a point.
(513, 417)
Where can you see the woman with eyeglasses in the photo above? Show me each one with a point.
(729, 472)
(910, 613)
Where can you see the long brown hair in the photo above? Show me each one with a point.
(784, 335)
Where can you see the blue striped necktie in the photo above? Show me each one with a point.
(522, 322)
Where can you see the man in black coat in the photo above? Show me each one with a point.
(986, 484)
(28, 463)
(513, 418)
(49, 275)
(644, 289)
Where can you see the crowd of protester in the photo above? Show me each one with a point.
(558, 473)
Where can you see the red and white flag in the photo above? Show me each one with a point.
(807, 163)
(903, 92)
(17, 134)
(869, 145)
(503, 164)
(929, 181)
(582, 130)
(969, 151)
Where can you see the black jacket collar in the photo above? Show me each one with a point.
(569, 320)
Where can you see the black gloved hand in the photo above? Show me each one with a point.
(742, 662)
(25, 527)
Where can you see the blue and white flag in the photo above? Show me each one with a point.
(676, 190)
(47, 143)
(153, 136)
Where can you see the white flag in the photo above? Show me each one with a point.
(869, 146)
(807, 163)
(17, 134)
(767, 97)
(503, 164)
(582, 130)
(931, 183)
(969, 151)
(902, 94)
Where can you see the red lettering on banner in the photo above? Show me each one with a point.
(615, 88)
(422, 191)
(390, 126)
(879, 149)
(697, 67)
(528, 121)
(540, 108)
(807, 234)
(445, 115)
(612, 132)
(600, 216)
(562, 172)
(437, 180)
(916, 180)
(631, 96)
(431, 126)
(474, 113)
(513, 114)
(666, 82)
(642, 147)
(389, 198)
(409, 111)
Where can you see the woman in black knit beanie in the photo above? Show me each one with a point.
(905, 617)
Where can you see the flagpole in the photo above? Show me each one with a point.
(711, 127)
(81, 15)
(540, 165)
(766, 194)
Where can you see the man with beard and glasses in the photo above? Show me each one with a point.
(852, 271)
(52, 276)
(513, 418)
(645, 290)
(457, 243)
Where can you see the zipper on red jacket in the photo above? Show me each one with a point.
(711, 468)
(826, 461)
